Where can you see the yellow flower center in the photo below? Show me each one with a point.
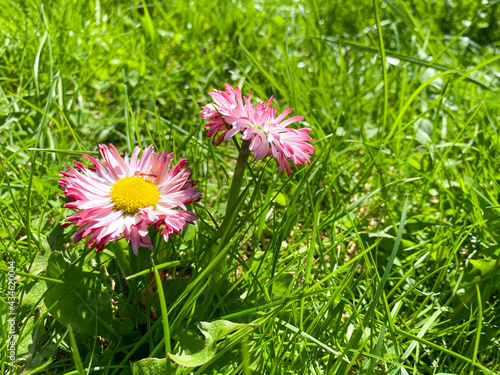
(129, 194)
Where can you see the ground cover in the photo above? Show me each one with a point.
(380, 256)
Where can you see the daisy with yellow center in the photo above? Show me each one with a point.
(123, 196)
(129, 194)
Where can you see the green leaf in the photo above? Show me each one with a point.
(194, 351)
(281, 199)
(26, 339)
(56, 239)
(33, 292)
(149, 366)
(33, 295)
(282, 286)
(484, 265)
(80, 300)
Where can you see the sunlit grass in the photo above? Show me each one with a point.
(381, 256)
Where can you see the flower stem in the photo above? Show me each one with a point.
(234, 193)
(239, 172)
(164, 315)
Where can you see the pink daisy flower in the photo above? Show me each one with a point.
(124, 196)
(231, 106)
(269, 135)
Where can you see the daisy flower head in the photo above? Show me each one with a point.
(123, 196)
(231, 106)
(269, 134)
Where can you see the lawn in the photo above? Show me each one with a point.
(379, 256)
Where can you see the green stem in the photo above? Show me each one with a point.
(234, 193)
(164, 315)
(239, 172)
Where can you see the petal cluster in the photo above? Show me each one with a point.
(269, 135)
(168, 191)
(230, 105)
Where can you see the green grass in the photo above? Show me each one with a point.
(380, 257)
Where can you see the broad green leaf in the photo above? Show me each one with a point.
(33, 292)
(281, 286)
(33, 295)
(149, 366)
(281, 199)
(56, 239)
(484, 265)
(194, 351)
(80, 301)
(26, 339)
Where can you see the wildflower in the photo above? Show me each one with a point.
(124, 196)
(269, 135)
(231, 106)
